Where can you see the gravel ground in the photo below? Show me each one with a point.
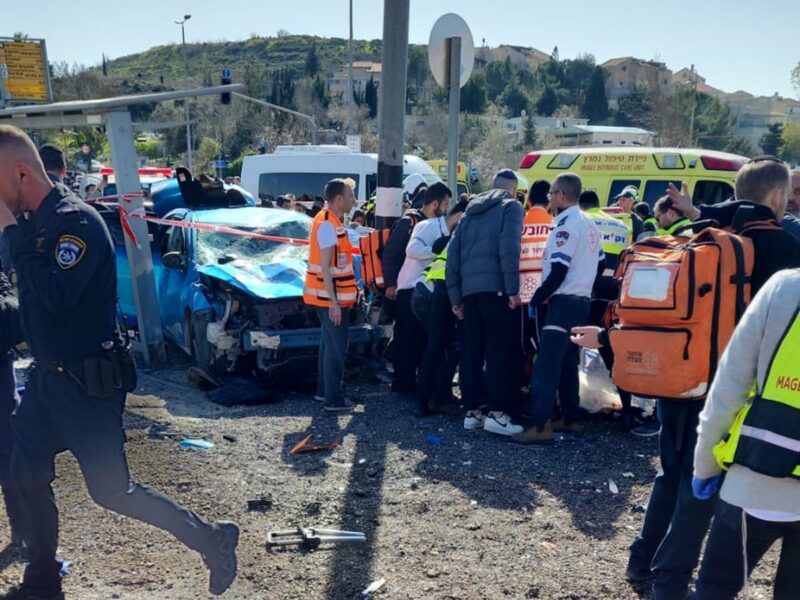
(475, 517)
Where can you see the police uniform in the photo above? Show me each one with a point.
(75, 393)
(574, 243)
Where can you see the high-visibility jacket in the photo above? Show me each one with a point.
(651, 221)
(344, 280)
(535, 228)
(436, 268)
(615, 233)
(675, 226)
(765, 437)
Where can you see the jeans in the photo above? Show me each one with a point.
(332, 356)
(556, 367)
(675, 522)
(722, 572)
(488, 335)
(57, 415)
(408, 344)
(440, 360)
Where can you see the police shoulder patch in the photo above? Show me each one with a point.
(69, 251)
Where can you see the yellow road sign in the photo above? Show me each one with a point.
(23, 70)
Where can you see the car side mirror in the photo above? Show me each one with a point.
(174, 260)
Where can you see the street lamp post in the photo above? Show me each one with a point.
(186, 87)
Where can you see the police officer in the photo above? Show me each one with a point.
(573, 260)
(754, 406)
(75, 395)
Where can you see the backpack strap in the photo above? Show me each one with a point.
(743, 215)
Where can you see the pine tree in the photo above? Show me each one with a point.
(312, 62)
(771, 141)
(595, 107)
(371, 97)
(554, 56)
(530, 139)
(548, 103)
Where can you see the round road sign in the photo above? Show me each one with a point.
(447, 26)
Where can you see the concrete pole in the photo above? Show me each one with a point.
(454, 81)
(392, 95)
(189, 162)
(123, 156)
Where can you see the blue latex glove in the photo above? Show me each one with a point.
(703, 489)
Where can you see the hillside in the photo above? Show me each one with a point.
(207, 59)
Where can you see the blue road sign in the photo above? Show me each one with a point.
(226, 73)
(473, 172)
(220, 164)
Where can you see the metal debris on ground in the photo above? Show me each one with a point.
(310, 538)
(262, 504)
(304, 445)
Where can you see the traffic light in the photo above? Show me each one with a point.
(225, 98)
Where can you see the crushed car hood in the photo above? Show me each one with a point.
(274, 281)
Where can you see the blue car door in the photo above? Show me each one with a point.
(171, 281)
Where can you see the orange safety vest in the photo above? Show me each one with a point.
(535, 229)
(344, 279)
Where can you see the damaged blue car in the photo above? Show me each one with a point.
(230, 286)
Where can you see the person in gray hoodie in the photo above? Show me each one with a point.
(482, 276)
(754, 407)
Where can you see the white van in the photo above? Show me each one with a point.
(306, 169)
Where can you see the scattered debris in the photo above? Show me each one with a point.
(262, 504)
(313, 508)
(304, 446)
(434, 440)
(201, 378)
(66, 566)
(311, 537)
(160, 431)
(373, 587)
(628, 474)
(433, 573)
(548, 545)
(613, 487)
(229, 438)
(196, 444)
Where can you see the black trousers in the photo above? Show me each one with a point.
(57, 415)
(440, 360)
(488, 336)
(555, 372)
(722, 573)
(8, 402)
(408, 344)
(675, 522)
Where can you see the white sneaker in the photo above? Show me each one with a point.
(473, 421)
(501, 425)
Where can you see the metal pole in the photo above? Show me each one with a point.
(140, 261)
(694, 107)
(392, 94)
(454, 82)
(350, 99)
(310, 118)
(189, 162)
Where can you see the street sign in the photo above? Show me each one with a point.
(473, 172)
(24, 76)
(354, 143)
(226, 73)
(449, 26)
(220, 164)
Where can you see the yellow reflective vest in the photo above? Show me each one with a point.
(765, 437)
(436, 268)
(615, 234)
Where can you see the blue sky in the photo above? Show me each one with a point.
(734, 44)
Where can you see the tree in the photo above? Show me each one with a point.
(771, 141)
(530, 139)
(473, 95)
(208, 150)
(554, 55)
(796, 79)
(547, 103)
(498, 76)
(312, 62)
(739, 145)
(635, 109)
(515, 100)
(790, 143)
(371, 97)
(595, 105)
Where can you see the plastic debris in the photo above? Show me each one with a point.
(434, 440)
(373, 587)
(304, 446)
(259, 504)
(613, 487)
(196, 444)
(229, 438)
(66, 567)
(628, 474)
(548, 545)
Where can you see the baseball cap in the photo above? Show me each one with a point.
(631, 191)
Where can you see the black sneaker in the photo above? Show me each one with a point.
(636, 574)
(343, 406)
(650, 428)
(221, 562)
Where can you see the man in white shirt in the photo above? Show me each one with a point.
(573, 260)
(408, 344)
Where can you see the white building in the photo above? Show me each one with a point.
(602, 135)
(363, 71)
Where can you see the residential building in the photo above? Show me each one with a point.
(755, 114)
(690, 77)
(628, 73)
(601, 135)
(362, 72)
(527, 58)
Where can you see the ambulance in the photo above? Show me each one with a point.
(462, 172)
(709, 174)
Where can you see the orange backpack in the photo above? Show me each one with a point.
(680, 299)
(371, 247)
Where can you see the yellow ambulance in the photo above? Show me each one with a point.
(462, 173)
(607, 171)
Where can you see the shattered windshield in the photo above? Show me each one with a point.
(213, 246)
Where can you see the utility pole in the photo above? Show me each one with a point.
(392, 94)
(186, 87)
(694, 107)
(350, 100)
